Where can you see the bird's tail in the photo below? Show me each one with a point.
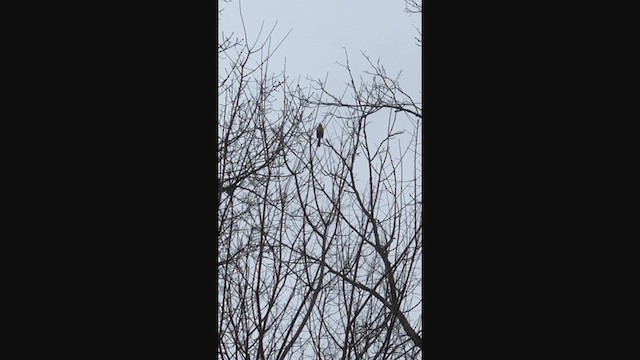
(319, 141)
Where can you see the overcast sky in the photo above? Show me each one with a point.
(320, 30)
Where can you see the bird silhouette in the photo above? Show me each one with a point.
(320, 133)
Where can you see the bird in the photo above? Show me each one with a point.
(320, 133)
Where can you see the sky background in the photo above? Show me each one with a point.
(320, 30)
(319, 33)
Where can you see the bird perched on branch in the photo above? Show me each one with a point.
(320, 133)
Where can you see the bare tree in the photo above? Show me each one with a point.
(319, 251)
(366, 207)
(261, 284)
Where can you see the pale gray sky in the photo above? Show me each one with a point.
(320, 30)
